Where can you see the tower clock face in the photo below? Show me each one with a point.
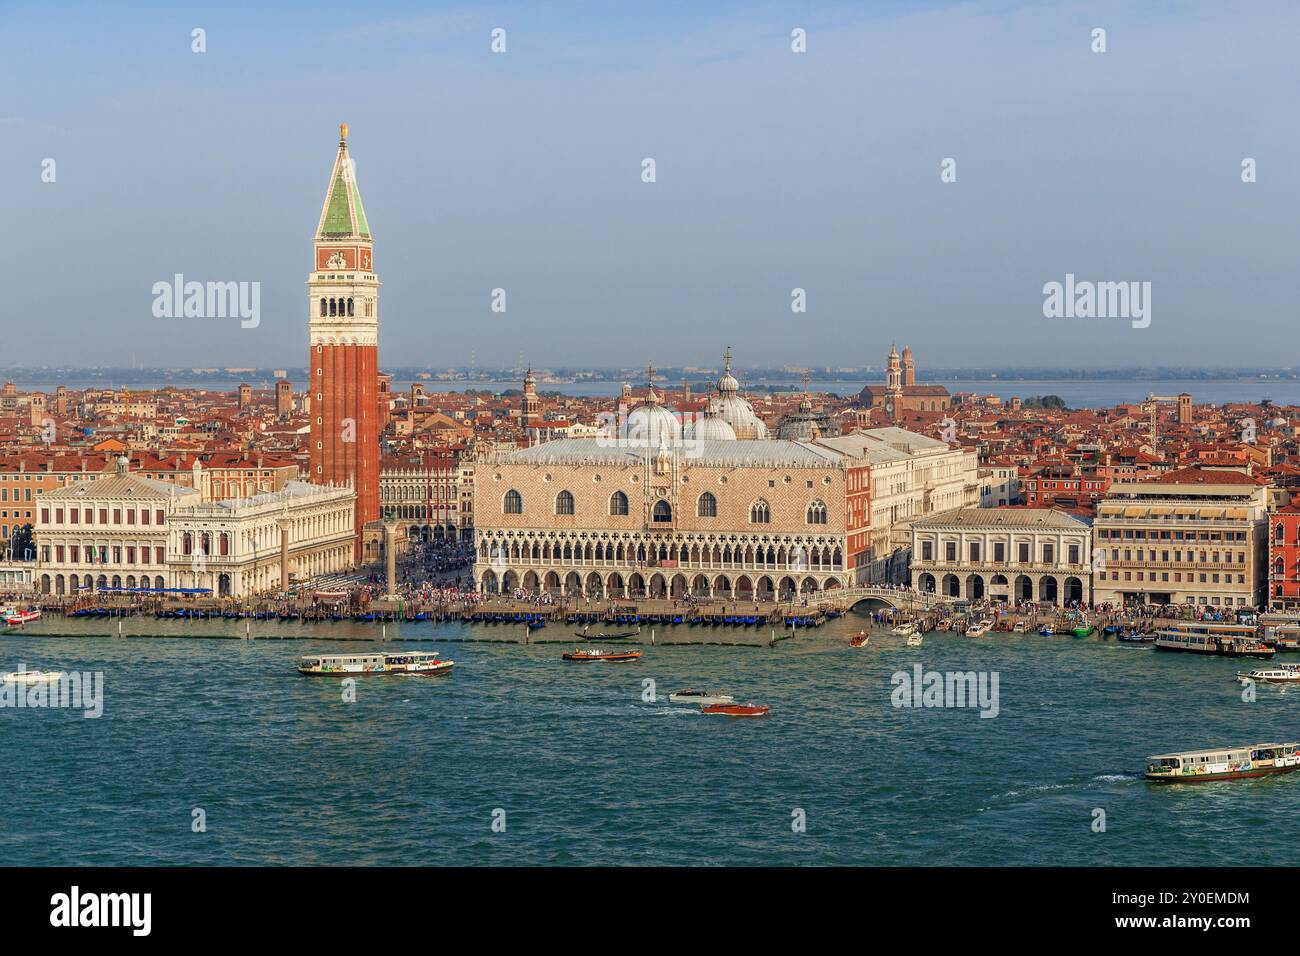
(889, 408)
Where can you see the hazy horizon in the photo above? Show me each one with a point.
(775, 170)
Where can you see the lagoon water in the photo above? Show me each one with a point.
(589, 773)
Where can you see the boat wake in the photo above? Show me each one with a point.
(1042, 788)
(1046, 788)
(678, 711)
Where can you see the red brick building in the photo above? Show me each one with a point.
(1284, 558)
(1062, 485)
(344, 391)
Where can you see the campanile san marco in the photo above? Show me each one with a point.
(343, 293)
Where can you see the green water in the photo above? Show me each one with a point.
(416, 770)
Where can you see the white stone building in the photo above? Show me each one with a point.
(999, 484)
(1194, 536)
(243, 546)
(912, 476)
(125, 531)
(1003, 554)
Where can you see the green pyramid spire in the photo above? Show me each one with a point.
(343, 215)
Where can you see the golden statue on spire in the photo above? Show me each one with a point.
(343, 132)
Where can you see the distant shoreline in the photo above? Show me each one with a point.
(1075, 393)
(561, 378)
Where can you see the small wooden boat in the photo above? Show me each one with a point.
(1230, 763)
(591, 655)
(702, 697)
(1022, 627)
(1083, 630)
(735, 710)
(17, 618)
(1136, 637)
(602, 636)
(860, 639)
(1046, 630)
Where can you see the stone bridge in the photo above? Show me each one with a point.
(904, 600)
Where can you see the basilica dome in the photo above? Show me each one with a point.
(652, 424)
(731, 407)
(710, 427)
(807, 424)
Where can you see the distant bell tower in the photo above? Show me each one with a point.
(528, 409)
(343, 297)
(893, 385)
(283, 398)
(893, 372)
(909, 367)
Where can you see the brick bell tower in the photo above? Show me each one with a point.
(343, 296)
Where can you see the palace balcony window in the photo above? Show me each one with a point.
(514, 503)
(817, 513)
(707, 507)
(760, 513)
(618, 503)
(663, 512)
(564, 503)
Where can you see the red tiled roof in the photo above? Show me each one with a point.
(1205, 476)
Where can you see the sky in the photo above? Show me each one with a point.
(774, 171)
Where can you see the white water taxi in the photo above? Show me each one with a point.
(1230, 763)
(980, 629)
(31, 677)
(1284, 674)
(1022, 627)
(702, 697)
(1203, 637)
(422, 663)
(915, 640)
(905, 630)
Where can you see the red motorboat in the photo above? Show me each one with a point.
(859, 639)
(735, 710)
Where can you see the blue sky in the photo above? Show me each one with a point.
(775, 171)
